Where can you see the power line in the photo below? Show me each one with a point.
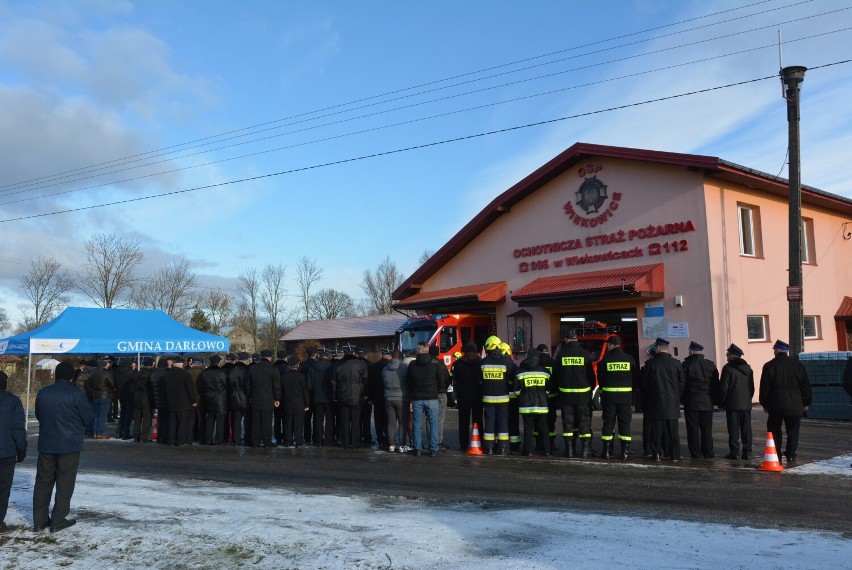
(373, 129)
(405, 149)
(219, 136)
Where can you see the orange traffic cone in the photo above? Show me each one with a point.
(770, 456)
(154, 427)
(475, 447)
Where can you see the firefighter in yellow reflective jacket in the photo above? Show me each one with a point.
(533, 387)
(616, 376)
(497, 381)
(514, 417)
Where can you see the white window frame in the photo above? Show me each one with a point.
(816, 327)
(764, 325)
(746, 239)
(806, 232)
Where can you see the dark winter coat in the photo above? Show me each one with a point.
(263, 385)
(701, 386)
(350, 381)
(616, 373)
(180, 390)
(294, 393)
(141, 382)
(214, 384)
(467, 380)
(736, 386)
(424, 378)
(158, 390)
(574, 374)
(375, 382)
(63, 414)
(784, 386)
(318, 375)
(662, 384)
(498, 377)
(237, 393)
(13, 433)
(99, 386)
(122, 377)
(534, 384)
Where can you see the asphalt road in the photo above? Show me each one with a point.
(714, 490)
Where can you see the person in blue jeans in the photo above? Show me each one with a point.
(424, 380)
(100, 389)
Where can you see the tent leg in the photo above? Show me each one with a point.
(29, 377)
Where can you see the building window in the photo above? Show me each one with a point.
(749, 226)
(811, 327)
(757, 328)
(807, 237)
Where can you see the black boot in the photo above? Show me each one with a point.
(569, 449)
(625, 450)
(585, 449)
(607, 450)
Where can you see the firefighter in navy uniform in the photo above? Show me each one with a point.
(574, 376)
(616, 376)
(497, 382)
(552, 396)
(534, 385)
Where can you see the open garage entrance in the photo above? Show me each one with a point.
(621, 322)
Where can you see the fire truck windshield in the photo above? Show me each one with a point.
(409, 338)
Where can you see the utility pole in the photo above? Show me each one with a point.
(792, 77)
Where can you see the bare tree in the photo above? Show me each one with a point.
(307, 273)
(248, 308)
(331, 304)
(112, 261)
(424, 257)
(218, 305)
(46, 285)
(4, 321)
(172, 289)
(379, 287)
(272, 298)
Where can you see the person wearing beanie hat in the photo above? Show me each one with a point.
(13, 444)
(616, 378)
(467, 387)
(785, 394)
(574, 380)
(63, 413)
(736, 391)
(699, 394)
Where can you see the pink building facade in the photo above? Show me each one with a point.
(684, 247)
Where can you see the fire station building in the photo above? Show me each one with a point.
(680, 246)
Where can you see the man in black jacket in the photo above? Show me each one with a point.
(350, 384)
(424, 383)
(785, 394)
(13, 443)
(574, 378)
(214, 384)
(467, 385)
(616, 377)
(736, 390)
(701, 385)
(263, 385)
(63, 414)
(317, 370)
(182, 399)
(141, 400)
(238, 399)
(663, 383)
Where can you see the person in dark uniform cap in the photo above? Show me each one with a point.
(785, 394)
(663, 383)
(736, 390)
(700, 389)
(263, 385)
(574, 380)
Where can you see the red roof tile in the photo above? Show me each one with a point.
(482, 293)
(644, 279)
(845, 310)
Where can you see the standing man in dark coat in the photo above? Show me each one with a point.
(282, 367)
(214, 384)
(663, 383)
(13, 444)
(349, 383)
(263, 385)
(141, 400)
(123, 376)
(424, 384)
(736, 391)
(238, 399)
(534, 384)
(160, 407)
(467, 386)
(100, 390)
(63, 414)
(376, 395)
(318, 371)
(552, 397)
(574, 377)
(182, 400)
(701, 385)
(295, 401)
(785, 394)
(616, 377)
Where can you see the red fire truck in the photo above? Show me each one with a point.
(448, 332)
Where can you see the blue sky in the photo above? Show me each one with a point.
(88, 82)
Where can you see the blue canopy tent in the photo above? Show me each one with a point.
(110, 331)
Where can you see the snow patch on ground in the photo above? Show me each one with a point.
(840, 466)
(140, 523)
